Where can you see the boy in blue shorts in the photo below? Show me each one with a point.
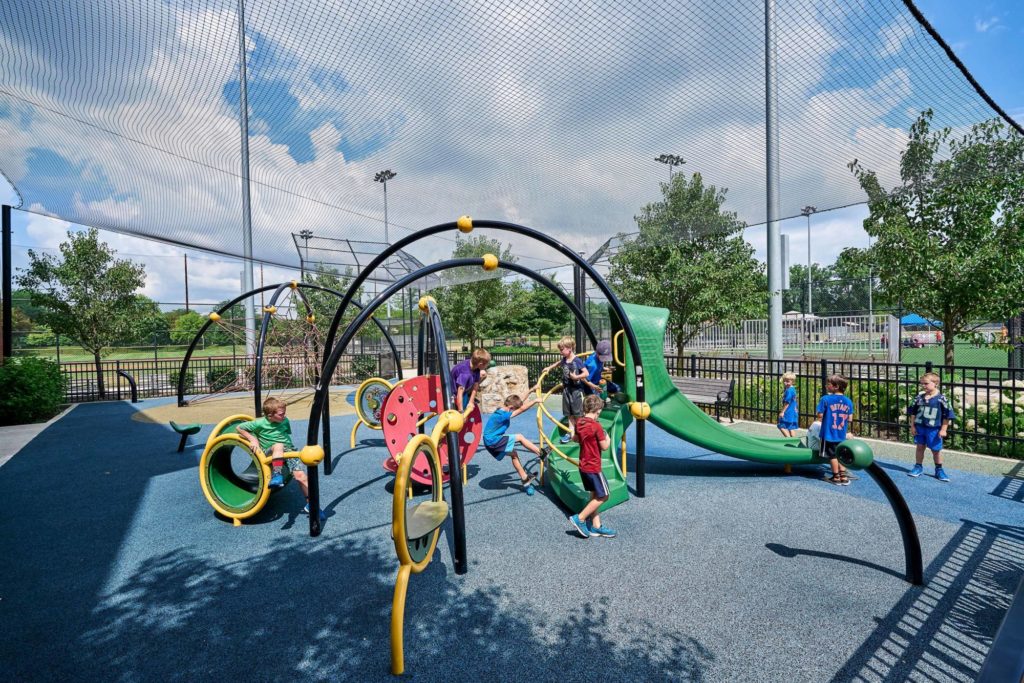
(789, 417)
(835, 412)
(499, 444)
(931, 413)
(593, 440)
(272, 435)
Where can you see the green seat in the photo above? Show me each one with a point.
(185, 431)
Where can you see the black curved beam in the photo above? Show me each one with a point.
(454, 455)
(908, 530)
(206, 325)
(575, 258)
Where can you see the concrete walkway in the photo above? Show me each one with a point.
(16, 437)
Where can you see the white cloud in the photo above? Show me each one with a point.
(989, 24)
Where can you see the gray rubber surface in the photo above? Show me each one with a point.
(114, 568)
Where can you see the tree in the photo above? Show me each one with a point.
(186, 327)
(325, 304)
(476, 309)
(950, 238)
(691, 259)
(551, 317)
(87, 294)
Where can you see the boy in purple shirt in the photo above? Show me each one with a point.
(466, 377)
(835, 412)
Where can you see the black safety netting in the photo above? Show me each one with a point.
(125, 116)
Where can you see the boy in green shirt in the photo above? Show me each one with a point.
(272, 434)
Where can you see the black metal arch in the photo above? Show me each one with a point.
(254, 292)
(575, 258)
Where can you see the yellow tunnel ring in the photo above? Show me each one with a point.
(640, 410)
(465, 224)
(490, 262)
(311, 455)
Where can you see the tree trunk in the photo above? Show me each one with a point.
(949, 332)
(100, 390)
(679, 342)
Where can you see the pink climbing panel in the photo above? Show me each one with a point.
(407, 403)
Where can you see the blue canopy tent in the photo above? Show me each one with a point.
(914, 320)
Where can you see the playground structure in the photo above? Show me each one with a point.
(236, 494)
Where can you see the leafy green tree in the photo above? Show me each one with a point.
(87, 294)
(325, 304)
(186, 327)
(477, 309)
(551, 317)
(950, 238)
(691, 259)
(149, 326)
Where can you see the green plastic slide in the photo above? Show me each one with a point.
(677, 415)
(564, 477)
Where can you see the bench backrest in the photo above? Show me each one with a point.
(704, 386)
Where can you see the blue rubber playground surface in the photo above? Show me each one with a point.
(114, 568)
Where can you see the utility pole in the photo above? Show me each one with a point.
(775, 351)
(807, 211)
(186, 282)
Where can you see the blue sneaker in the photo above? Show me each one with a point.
(582, 527)
(940, 474)
(529, 488)
(566, 438)
(917, 471)
(277, 481)
(323, 515)
(605, 531)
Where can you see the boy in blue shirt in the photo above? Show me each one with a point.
(499, 444)
(789, 417)
(931, 413)
(594, 365)
(835, 412)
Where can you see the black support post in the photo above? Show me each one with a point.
(911, 541)
(577, 298)
(8, 331)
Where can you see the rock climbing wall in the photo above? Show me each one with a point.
(502, 381)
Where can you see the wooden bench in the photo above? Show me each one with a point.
(711, 390)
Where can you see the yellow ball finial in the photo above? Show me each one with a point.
(490, 262)
(455, 420)
(293, 284)
(270, 309)
(311, 455)
(310, 318)
(424, 301)
(640, 411)
(215, 316)
(465, 224)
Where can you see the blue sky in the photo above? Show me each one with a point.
(987, 37)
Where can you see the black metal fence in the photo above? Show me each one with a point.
(210, 374)
(989, 402)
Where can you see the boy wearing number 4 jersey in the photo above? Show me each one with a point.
(835, 412)
(930, 416)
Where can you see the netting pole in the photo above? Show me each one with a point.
(775, 350)
(8, 331)
(243, 116)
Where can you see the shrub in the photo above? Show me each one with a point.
(33, 390)
(190, 380)
(364, 366)
(278, 377)
(220, 378)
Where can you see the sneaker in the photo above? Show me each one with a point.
(277, 481)
(529, 489)
(544, 453)
(916, 471)
(565, 438)
(941, 475)
(582, 527)
(323, 515)
(605, 531)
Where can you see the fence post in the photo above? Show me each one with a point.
(928, 366)
(156, 354)
(824, 375)
(693, 365)
(58, 349)
(117, 377)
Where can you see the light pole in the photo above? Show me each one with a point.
(672, 160)
(384, 177)
(305, 235)
(807, 211)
